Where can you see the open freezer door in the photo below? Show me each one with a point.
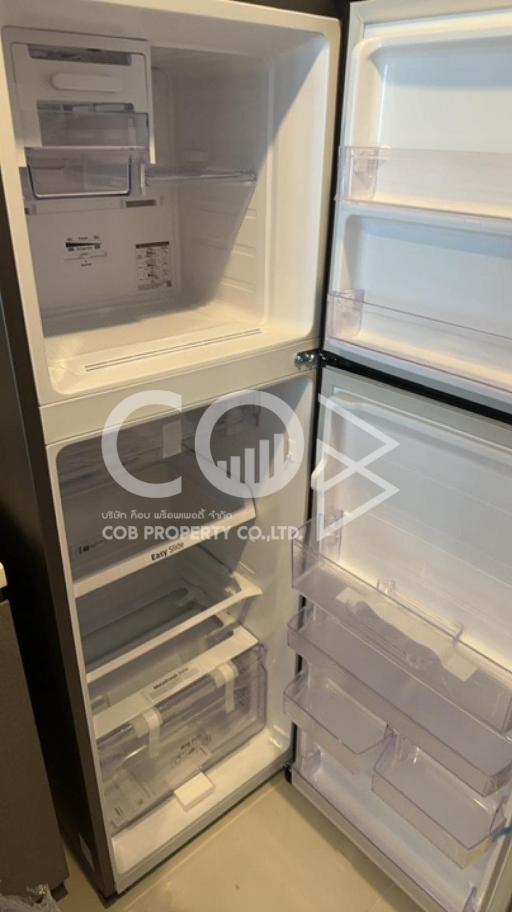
(422, 246)
(404, 699)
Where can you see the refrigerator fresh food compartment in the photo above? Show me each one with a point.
(344, 728)
(421, 645)
(475, 354)
(140, 611)
(461, 823)
(192, 721)
(465, 182)
(368, 821)
(475, 753)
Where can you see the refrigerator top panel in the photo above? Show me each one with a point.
(168, 190)
(423, 231)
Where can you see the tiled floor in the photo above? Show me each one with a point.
(272, 853)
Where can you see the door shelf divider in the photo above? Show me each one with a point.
(467, 184)
(476, 354)
(457, 820)
(155, 552)
(246, 590)
(335, 721)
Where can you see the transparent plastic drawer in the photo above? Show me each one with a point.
(457, 820)
(343, 727)
(186, 729)
(62, 173)
(419, 645)
(474, 752)
(93, 125)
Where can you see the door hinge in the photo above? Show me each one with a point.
(307, 358)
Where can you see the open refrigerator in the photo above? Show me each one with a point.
(167, 173)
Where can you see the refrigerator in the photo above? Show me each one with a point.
(256, 441)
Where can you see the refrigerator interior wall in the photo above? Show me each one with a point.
(182, 631)
(404, 704)
(423, 240)
(167, 241)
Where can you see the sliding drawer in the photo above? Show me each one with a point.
(180, 724)
(454, 818)
(332, 718)
(474, 752)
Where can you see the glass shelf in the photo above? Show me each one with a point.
(458, 182)
(343, 727)
(154, 174)
(454, 348)
(457, 820)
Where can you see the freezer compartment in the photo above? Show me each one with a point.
(188, 720)
(475, 753)
(144, 609)
(459, 349)
(454, 818)
(466, 182)
(344, 728)
(389, 631)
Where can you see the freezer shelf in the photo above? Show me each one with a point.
(422, 646)
(189, 720)
(472, 751)
(134, 615)
(460, 350)
(461, 182)
(457, 820)
(343, 727)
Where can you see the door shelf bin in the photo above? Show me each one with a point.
(187, 721)
(459, 182)
(385, 631)
(479, 756)
(454, 818)
(456, 349)
(344, 728)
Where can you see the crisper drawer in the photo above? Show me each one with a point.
(474, 752)
(453, 817)
(332, 718)
(184, 722)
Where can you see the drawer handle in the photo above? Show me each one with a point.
(81, 82)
